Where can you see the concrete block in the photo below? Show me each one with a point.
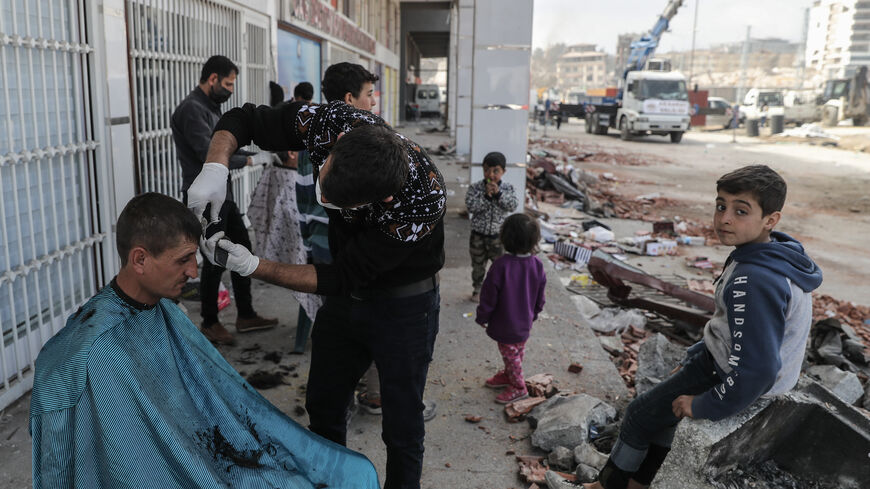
(844, 385)
(586, 454)
(564, 421)
(561, 458)
(655, 361)
(808, 433)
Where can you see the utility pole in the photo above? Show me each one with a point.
(692, 56)
(801, 57)
(743, 60)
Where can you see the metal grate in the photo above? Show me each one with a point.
(256, 81)
(48, 165)
(170, 40)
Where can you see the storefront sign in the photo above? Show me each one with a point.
(323, 17)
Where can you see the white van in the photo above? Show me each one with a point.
(428, 98)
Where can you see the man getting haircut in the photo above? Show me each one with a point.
(129, 394)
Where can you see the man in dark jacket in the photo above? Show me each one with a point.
(192, 124)
(386, 201)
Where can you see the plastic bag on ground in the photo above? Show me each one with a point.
(614, 319)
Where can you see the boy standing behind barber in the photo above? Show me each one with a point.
(489, 202)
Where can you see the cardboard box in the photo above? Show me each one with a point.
(573, 252)
(661, 247)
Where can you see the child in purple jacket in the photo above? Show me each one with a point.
(511, 298)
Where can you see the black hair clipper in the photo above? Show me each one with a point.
(211, 228)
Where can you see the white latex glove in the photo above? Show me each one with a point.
(209, 187)
(234, 257)
(261, 158)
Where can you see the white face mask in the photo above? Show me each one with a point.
(329, 205)
(319, 194)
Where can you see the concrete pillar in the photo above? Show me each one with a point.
(451, 70)
(117, 104)
(464, 75)
(500, 79)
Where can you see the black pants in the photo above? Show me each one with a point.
(235, 231)
(399, 335)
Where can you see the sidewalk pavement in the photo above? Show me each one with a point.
(458, 453)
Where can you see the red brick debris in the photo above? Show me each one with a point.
(825, 306)
(626, 362)
(571, 152)
(517, 410)
(541, 385)
(532, 468)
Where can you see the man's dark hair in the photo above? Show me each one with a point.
(220, 65)
(494, 158)
(765, 185)
(155, 222)
(304, 91)
(520, 234)
(276, 94)
(341, 78)
(369, 164)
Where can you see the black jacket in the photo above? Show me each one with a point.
(192, 125)
(380, 245)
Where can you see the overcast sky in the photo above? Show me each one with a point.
(599, 22)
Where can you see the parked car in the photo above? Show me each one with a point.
(723, 110)
(428, 99)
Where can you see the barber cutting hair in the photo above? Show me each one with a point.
(385, 200)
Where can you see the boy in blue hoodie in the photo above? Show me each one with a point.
(754, 344)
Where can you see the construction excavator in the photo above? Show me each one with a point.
(846, 98)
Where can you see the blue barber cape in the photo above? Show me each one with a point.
(138, 398)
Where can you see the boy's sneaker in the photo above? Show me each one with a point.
(428, 409)
(498, 380)
(369, 405)
(511, 394)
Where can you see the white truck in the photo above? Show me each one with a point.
(762, 103)
(652, 99)
(654, 103)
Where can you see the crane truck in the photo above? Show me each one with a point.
(651, 99)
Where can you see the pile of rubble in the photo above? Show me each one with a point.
(552, 177)
(654, 318)
(858, 317)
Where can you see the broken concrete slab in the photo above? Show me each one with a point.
(844, 385)
(612, 344)
(561, 458)
(656, 359)
(795, 430)
(586, 454)
(586, 473)
(565, 420)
